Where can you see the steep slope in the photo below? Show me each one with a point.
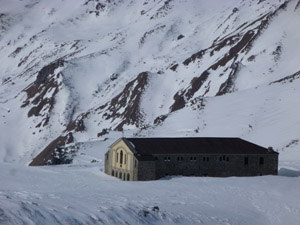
(153, 67)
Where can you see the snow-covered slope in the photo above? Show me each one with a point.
(74, 71)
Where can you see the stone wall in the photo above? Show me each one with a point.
(146, 170)
(215, 165)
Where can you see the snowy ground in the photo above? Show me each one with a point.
(81, 193)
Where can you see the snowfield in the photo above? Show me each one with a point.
(83, 194)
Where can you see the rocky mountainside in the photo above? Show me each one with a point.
(76, 71)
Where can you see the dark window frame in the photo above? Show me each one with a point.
(261, 161)
(246, 161)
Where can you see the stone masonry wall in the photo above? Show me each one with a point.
(215, 165)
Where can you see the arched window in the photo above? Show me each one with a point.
(121, 157)
(113, 173)
(125, 158)
(117, 156)
(128, 176)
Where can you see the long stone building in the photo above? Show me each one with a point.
(137, 159)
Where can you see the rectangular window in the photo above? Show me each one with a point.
(246, 161)
(117, 156)
(167, 159)
(261, 160)
(193, 158)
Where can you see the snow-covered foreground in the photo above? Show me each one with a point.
(83, 194)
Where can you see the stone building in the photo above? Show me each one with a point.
(153, 158)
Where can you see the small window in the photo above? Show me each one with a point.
(193, 158)
(125, 158)
(178, 158)
(117, 157)
(116, 173)
(246, 161)
(227, 159)
(204, 159)
(120, 175)
(121, 157)
(113, 173)
(224, 157)
(128, 176)
(181, 158)
(261, 160)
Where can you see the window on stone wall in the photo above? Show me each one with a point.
(120, 175)
(180, 158)
(224, 158)
(205, 159)
(167, 159)
(261, 160)
(116, 173)
(128, 176)
(193, 158)
(246, 161)
(125, 158)
(121, 157)
(113, 173)
(117, 157)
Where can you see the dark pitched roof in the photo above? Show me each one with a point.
(197, 145)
